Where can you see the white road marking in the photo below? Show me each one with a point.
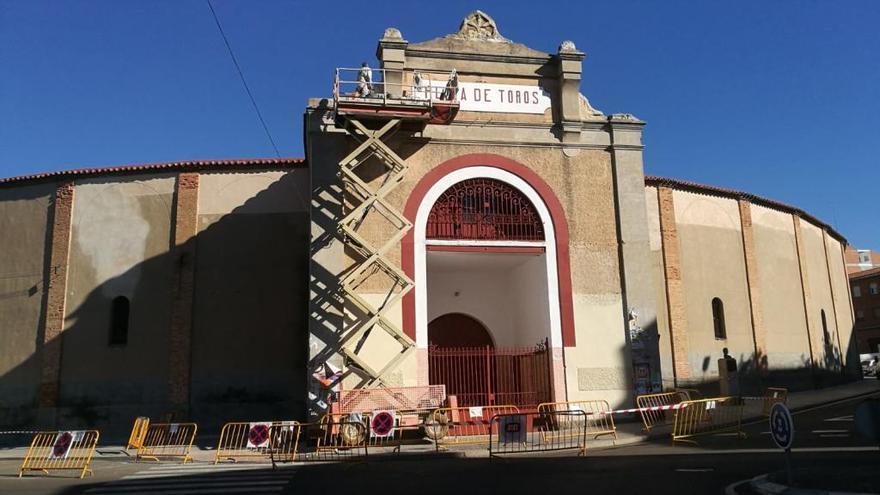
(848, 418)
(200, 479)
(695, 470)
(830, 431)
(835, 435)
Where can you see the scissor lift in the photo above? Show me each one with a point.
(371, 112)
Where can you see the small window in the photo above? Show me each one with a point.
(864, 256)
(860, 315)
(857, 290)
(119, 321)
(718, 319)
(873, 289)
(825, 335)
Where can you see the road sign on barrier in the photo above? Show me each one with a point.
(382, 424)
(258, 435)
(781, 426)
(512, 429)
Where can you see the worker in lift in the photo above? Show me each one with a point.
(365, 81)
(451, 87)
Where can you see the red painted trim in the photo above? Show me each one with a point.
(557, 214)
(486, 249)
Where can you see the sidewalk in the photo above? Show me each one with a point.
(629, 430)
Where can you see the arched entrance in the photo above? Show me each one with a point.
(488, 297)
(457, 329)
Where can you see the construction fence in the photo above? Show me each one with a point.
(61, 450)
(167, 441)
(708, 417)
(535, 432)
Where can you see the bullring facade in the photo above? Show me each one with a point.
(422, 232)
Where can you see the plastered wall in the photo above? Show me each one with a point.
(25, 213)
(120, 234)
(249, 335)
(781, 293)
(712, 266)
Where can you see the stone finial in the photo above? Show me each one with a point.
(567, 46)
(392, 33)
(479, 26)
(624, 117)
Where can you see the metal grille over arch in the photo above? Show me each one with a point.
(486, 210)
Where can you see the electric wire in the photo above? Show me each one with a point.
(243, 81)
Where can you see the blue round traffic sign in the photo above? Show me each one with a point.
(781, 426)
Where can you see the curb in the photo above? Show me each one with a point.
(761, 485)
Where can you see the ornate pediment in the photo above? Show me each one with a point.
(478, 26)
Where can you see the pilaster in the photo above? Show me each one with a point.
(186, 209)
(678, 324)
(56, 294)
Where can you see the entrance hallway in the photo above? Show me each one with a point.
(506, 292)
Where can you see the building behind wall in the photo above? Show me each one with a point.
(221, 290)
(865, 286)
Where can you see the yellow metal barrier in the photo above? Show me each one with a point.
(463, 425)
(689, 393)
(168, 440)
(772, 396)
(597, 418)
(247, 440)
(523, 433)
(57, 450)
(706, 417)
(385, 428)
(284, 437)
(651, 418)
(329, 440)
(138, 432)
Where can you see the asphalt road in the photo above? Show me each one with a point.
(826, 448)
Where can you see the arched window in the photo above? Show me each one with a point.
(718, 319)
(484, 209)
(119, 311)
(825, 334)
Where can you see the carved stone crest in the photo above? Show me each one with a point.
(479, 26)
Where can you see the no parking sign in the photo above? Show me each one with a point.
(382, 423)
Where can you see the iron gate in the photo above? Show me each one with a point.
(487, 375)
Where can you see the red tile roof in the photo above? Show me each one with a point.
(653, 180)
(873, 272)
(189, 165)
(162, 166)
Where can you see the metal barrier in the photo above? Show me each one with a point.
(690, 393)
(168, 440)
(598, 418)
(246, 440)
(652, 417)
(523, 433)
(463, 425)
(61, 450)
(138, 432)
(324, 441)
(284, 438)
(706, 417)
(381, 428)
(773, 395)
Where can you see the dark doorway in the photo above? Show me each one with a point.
(462, 357)
(458, 330)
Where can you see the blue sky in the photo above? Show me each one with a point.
(776, 98)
